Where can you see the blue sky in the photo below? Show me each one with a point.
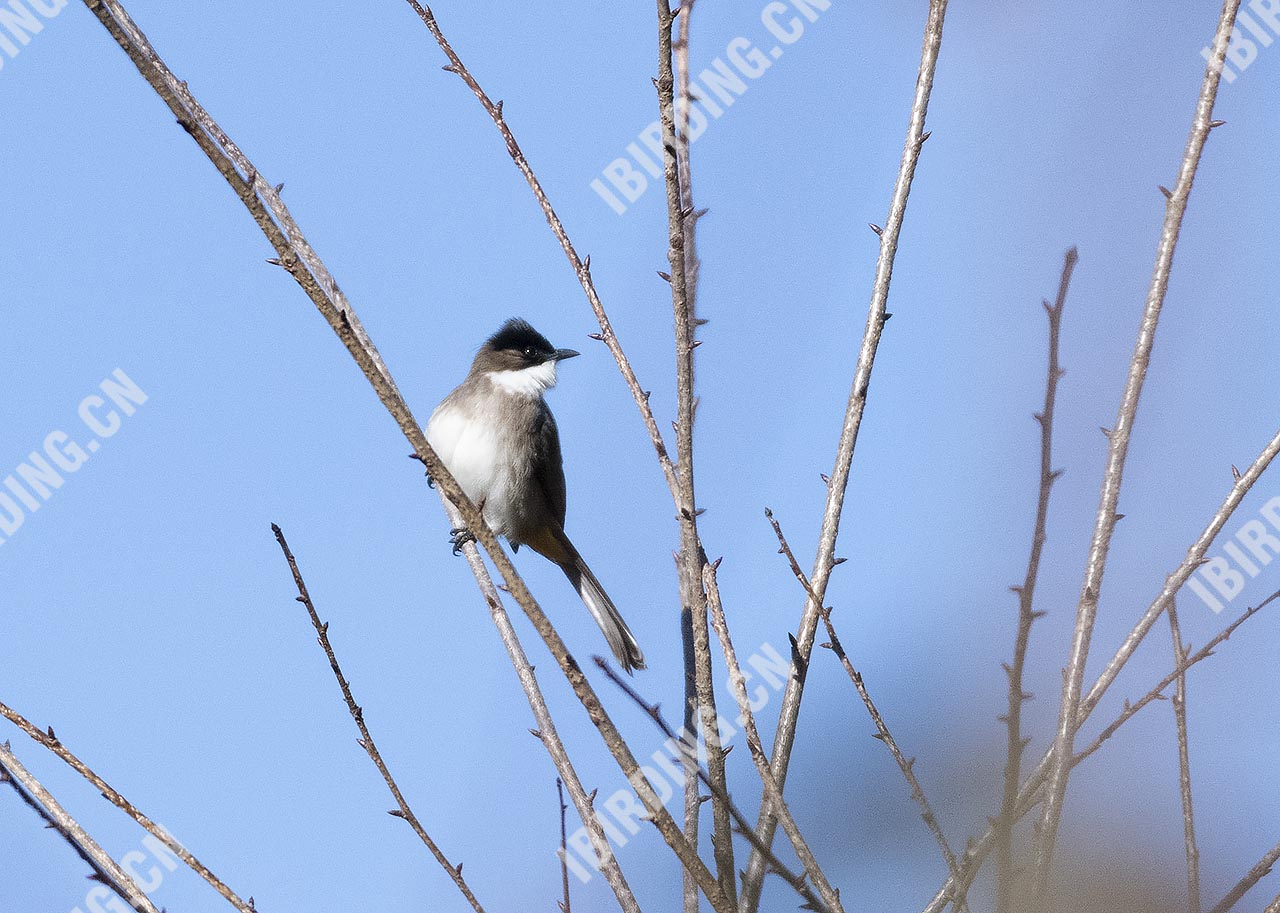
(146, 612)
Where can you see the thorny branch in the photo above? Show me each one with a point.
(877, 315)
(366, 739)
(105, 869)
(1026, 598)
(1184, 764)
(1117, 452)
(905, 764)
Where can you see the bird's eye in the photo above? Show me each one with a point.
(529, 352)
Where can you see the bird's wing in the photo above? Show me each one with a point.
(547, 470)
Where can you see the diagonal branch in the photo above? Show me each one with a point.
(905, 764)
(105, 869)
(50, 741)
(1251, 877)
(654, 712)
(877, 315)
(366, 739)
(1184, 765)
(244, 178)
(1026, 598)
(1117, 452)
(773, 795)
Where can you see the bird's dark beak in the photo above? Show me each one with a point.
(562, 354)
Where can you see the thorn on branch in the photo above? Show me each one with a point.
(876, 228)
(1235, 473)
(665, 277)
(1216, 123)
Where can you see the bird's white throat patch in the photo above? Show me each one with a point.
(531, 381)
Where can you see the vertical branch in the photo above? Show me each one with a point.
(1026, 597)
(773, 795)
(1184, 764)
(41, 801)
(1117, 452)
(564, 848)
(402, 810)
(692, 793)
(788, 716)
(692, 558)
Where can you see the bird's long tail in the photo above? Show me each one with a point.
(621, 641)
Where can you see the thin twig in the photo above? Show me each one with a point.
(366, 739)
(105, 869)
(232, 164)
(692, 786)
(1179, 671)
(877, 316)
(1251, 877)
(692, 556)
(1026, 598)
(50, 741)
(773, 795)
(1117, 452)
(905, 764)
(1184, 764)
(1030, 792)
(1274, 906)
(654, 712)
(581, 266)
(564, 848)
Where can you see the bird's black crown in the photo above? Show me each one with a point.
(518, 335)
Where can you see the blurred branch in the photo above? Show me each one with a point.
(1195, 557)
(366, 739)
(50, 741)
(1252, 877)
(564, 848)
(1117, 452)
(692, 556)
(905, 764)
(1184, 764)
(772, 794)
(1179, 672)
(581, 266)
(654, 712)
(1026, 598)
(105, 869)
(263, 202)
(877, 316)
(697, 671)
(1274, 906)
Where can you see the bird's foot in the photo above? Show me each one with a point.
(459, 537)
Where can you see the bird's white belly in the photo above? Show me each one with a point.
(472, 449)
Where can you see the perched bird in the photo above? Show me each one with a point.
(498, 438)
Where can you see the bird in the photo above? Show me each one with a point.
(497, 437)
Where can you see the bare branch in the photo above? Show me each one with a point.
(1026, 598)
(1252, 877)
(564, 849)
(797, 882)
(105, 869)
(773, 795)
(366, 739)
(692, 556)
(342, 319)
(54, 744)
(788, 716)
(1184, 764)
(905, 764)
(1117, 452)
